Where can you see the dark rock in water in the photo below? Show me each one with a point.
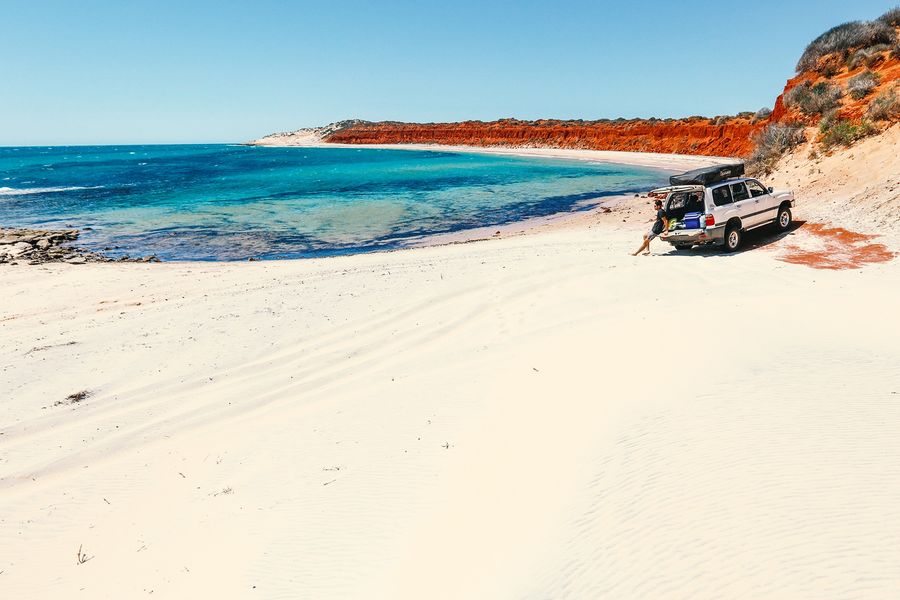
(39, 246)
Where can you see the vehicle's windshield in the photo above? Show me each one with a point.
(756, 188)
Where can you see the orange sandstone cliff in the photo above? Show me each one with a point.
(720, 137)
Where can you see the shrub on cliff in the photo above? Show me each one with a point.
(885, 106)
(849, 36)
(837, 131)
(772, 143)
(813, 100)
(891, 17)
(860, 86)
(762, 114)
(867, 56)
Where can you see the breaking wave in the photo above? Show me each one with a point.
(8, 191)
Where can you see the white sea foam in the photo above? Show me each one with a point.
(8, 191)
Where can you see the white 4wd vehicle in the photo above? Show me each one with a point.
(716, 206)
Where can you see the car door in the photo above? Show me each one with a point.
(765, 201)
(746, 206)
(722, 206)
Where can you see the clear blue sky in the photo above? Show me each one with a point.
(202, 71)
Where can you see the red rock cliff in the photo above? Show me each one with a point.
(685, 136)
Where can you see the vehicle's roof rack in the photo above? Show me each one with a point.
(708, 175)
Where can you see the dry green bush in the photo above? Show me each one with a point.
(772, 143)
(885, 106)
(813, 99)
(837, 131)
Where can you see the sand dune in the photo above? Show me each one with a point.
(534, 416)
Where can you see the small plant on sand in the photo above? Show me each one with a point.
(74, 398)
(885, 106)
(846, 37)
(860, 86)
(812, 99)
(837, 131)
(772, 143)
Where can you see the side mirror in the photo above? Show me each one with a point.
(771, 190)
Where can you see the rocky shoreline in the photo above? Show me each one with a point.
(39, 246)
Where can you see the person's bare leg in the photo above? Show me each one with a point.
(644, 246)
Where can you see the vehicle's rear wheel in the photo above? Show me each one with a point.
(683, 246)
(732, 238)
(783, 221)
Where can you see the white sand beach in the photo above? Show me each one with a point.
(531, 416)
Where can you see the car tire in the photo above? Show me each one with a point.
(733, 237)
(683, 246)
(784, 219)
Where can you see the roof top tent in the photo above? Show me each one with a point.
(708, 175)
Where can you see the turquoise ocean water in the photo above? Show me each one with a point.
(223, 202)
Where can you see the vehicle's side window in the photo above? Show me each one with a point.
(721, 195)
(739, 192)
(756, 189)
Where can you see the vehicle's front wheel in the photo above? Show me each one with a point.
(783, 221)
(732, 238)
(683, 246)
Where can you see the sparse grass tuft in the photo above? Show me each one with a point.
(772, 143)
(846, 37)
(860, 86)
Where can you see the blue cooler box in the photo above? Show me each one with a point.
(692, 220)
